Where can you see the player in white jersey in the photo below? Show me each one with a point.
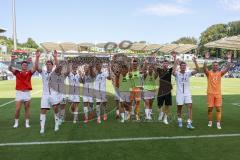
(88, 88)
(100, 91)
(49, 98)
(57, 83)
(183, 94)
(74, 79)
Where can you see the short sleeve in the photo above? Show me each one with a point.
(16, 72)
(170, 70)
(42, 73)
(189, 74)
(30, 72)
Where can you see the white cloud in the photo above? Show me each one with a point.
(161, 9)
(233, 5)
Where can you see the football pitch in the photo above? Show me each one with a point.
(131, 140)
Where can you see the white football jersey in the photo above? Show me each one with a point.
(74, 83)
(57, 83)
(100, 81)
(45, 82)
(88, 85)
(183, 83)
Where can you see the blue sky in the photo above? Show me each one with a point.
(155, 21)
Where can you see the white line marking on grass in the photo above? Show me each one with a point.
(4, 104)
(236, 104)
(118, 140)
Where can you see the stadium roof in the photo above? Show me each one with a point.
(138, 46)
(168, 48)
(100, 45)
(50, 46)
(151, 47)
(69, 47)
(184, 48)
(74, 47)
(2, 30)
(86, 44)
(232, 43)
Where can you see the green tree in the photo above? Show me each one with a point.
(234, 28)
(30, 44)
(186, 40)
(213, 33)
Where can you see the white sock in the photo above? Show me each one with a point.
(56, 119)
(189, 121)
(123, 115)
(75, 116)
(126, 115)
(150, 111)
(42, 120)
(133, 110)
(98, 110)
(27, 121)
(16, 121)
(62, 114)
(147, 113)
(179, 119)
(85, 110)
(165, 116)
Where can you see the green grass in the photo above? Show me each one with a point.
(205, 148)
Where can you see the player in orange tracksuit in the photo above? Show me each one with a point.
(214, 96)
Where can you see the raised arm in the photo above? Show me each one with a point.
(69, 69)
(205, 69)
(229, 64)
(55, 55)
(10, 68)
(144, 69)
(36, 66)
(109, 72)
(196, 65)
(175, 63)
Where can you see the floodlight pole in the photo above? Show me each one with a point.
(14, 25)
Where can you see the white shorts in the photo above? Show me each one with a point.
(74, 98)
(182, 99)
(88, 99)
(124, 97)
(101, 96)
(63, 98)
(117, 94)
(149, 94)
(49, 100)
(23, 96)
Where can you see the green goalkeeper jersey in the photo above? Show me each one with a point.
(136, 77)
(149, 83)
(125, 83)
